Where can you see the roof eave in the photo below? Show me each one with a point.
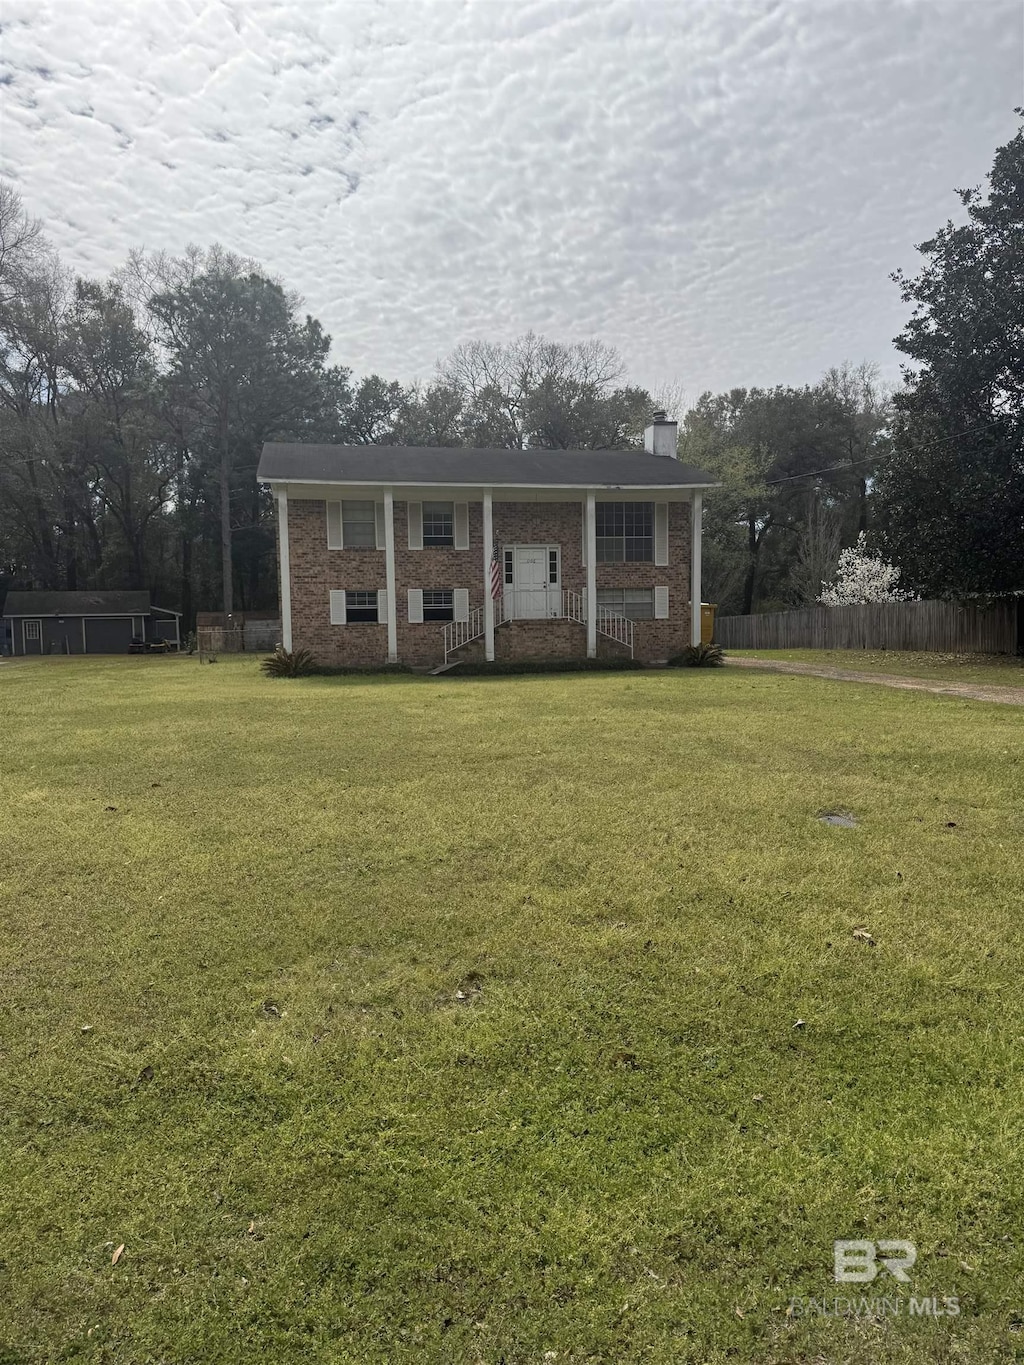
(291, 482)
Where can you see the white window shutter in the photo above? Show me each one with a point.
(661, 604)
(378, 509)
(337, 608)
(462, 526)
(583, 556)
(415, 525)
(334, 540)
(661, 533)
(416, 605)
(460, 604)
(382, 606)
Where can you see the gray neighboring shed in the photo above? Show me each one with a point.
(86, 622)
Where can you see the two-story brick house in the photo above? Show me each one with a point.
(429, 556)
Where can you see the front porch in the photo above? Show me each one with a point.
(535, 613)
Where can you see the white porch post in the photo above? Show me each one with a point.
(696, 528)
(389, 569)
(591, 575)
(286, 569)
(488, 599)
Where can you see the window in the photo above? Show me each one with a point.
(625, 531)
(438, 523)
(636, 603)
(31, 630)
(508, 569)
(358, 525)
(552, 566)
(361, 606)
(438, 604)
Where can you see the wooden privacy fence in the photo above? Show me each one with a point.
(946, 627)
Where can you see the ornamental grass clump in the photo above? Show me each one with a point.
(288, 663)
(704, 655)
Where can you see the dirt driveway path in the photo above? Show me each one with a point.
(1010, 696)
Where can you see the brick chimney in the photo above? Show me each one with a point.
(661, 437)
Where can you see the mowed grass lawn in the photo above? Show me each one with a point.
(446, 1020)
(995, 670)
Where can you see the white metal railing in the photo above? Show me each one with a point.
(574, 606)
(567, 605)
(459, 633)
(616, 627)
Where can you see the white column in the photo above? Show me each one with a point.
(286, 569)
(488, 599)
(389, 569)
(591, 575)
(696, 528)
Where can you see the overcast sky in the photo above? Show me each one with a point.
(720, 189)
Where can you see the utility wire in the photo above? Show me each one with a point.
(852, 464)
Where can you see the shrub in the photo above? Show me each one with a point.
(286, 663)
(704, 655)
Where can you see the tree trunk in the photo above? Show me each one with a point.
(751, 574)
(71, 553)
(227, 574)
(185, 588)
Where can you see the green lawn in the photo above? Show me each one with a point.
(997, 670)
(440, 1020)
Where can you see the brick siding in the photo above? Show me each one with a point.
(316, 570)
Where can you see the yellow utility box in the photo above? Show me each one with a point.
(707, 622)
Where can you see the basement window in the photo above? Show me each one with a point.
(361, 606)
(438, 605)
(625, 532)
(636, 603)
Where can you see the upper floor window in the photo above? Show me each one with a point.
(358, 525)
(438, 523)
(625, 531)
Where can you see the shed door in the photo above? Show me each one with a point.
(108, 634)
(32, 637)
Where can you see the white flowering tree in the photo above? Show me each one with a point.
(862, 577)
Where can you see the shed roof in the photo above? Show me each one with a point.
(77, 604)
(446, 466)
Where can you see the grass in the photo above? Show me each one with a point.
(996, 670)
(432, 1020)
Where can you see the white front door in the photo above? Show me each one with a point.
(535, 587)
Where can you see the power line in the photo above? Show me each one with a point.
(852, 464)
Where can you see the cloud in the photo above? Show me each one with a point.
(719, 189)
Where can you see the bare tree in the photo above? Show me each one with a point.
(867, 404)
(536, 392)
(819, 542)
(21, 242)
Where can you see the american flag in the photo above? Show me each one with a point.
(497, 574)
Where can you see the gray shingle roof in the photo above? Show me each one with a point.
(77, 604)
(448, 466)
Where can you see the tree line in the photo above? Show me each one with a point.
(133, 410)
